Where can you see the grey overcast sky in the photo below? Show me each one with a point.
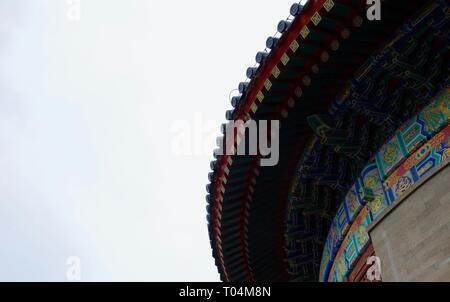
(90, 112)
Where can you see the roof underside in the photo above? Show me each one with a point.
(311, 65)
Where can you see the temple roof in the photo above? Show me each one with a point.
(299, 79)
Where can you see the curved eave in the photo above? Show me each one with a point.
(224, 162)
(241, 171)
